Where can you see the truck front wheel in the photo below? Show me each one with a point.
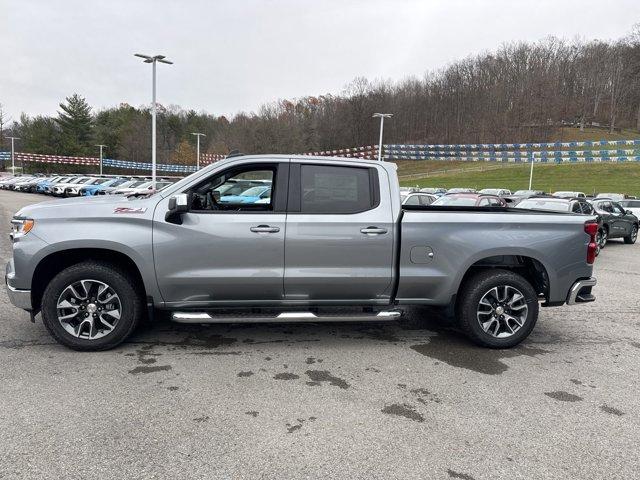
(91, 306)
(497, 308)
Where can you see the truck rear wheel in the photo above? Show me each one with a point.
(91, 306)
(497, 308)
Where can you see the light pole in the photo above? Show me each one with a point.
(198, 135)
(381, 116)
(101, 147)
(153, 60)
(531, 172)
(13, 157)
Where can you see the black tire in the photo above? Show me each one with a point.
(132, 306)
(604, 238)
(632, 237)
(473, 290)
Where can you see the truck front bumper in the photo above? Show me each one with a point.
(580, 292)
(18, 297)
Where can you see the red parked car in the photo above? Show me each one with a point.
(470, 200)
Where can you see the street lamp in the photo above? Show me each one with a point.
(13, 160)
(531, 172)
(153, 60)
(198, 135)
(381, 116)
(101, 147)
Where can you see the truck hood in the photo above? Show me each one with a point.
(103, 205)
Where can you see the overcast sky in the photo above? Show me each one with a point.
(234, 55)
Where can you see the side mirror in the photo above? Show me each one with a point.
(178, 205)
(628, 212)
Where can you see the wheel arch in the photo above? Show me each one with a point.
(52, 264)
(529, 267)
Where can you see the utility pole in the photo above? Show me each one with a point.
(198, 135)
(13, 155)
(381, 116)
(153, 60)
(531, 172)
(101, 147)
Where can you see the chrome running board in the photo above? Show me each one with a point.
(294, 317)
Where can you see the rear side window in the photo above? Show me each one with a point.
(413, 200)
(329, 189)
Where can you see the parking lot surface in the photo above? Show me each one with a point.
(403, 400)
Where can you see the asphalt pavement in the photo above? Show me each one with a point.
(406, 400)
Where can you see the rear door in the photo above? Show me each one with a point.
(339, 239)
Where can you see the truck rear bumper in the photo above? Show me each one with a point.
(18, 297)
(580, 292)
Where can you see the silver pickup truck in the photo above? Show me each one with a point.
(275, 238)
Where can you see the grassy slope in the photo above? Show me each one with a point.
(588, 178)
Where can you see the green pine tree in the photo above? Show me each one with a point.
(75, 123)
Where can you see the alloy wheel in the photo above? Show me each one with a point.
(502, 311)
(89, 309)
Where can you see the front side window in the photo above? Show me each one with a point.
(247, 188)
(328, 189)
(618, 209)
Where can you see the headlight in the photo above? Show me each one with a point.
(20, 227)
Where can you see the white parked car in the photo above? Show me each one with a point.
(631, 204)
(500, 192)
(60, 189)
(568, 194)
(616, 197)
(145, 187)
(417, 198)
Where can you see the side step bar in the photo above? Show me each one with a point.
(284, 317)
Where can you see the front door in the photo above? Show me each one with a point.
(230, 245)
(339, 239)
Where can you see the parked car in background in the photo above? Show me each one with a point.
(438, 192)
(418, 198)
(49, 189)
(143, 188)
(42, 185)
(26, 184)
(131, 184)
(616, 221)
(461, 190)
(93, 188)
(578, 206)
(500, 192)
(73, 190)
(251, 195)
(59, 188)
(469, 200)
(567, 194)
(616, 197)
(633, 205)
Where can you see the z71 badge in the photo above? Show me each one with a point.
(129, 210)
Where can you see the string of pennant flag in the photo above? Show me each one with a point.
(575, 152)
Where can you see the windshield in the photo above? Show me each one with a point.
(456, 201)
(544, 204)
(491, 191)
(565, 194)
(631, 203)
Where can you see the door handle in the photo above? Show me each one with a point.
(373, 231)
(265, 229)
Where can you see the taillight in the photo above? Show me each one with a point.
(591, 229)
